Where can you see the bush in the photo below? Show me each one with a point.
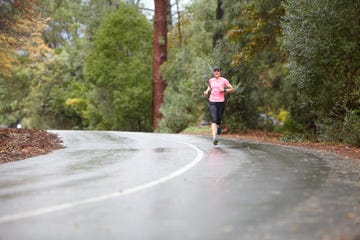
(322, 39)
(351, 128)
(293, 132)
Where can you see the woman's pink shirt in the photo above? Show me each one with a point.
(216, 84)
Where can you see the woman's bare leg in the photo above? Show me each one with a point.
(214, 127)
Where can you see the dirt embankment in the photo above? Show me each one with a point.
(17, 144)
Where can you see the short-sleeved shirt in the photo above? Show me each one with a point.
(215, 85)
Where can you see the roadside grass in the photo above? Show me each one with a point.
(201, 130)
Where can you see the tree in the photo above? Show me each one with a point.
(322, 38)
(188, 68)
(21, 47)
(71, 33)
(253, 59)
(119, 70)
(45, 108)
(241, 36)
(17, 22)
(159, 57)
(14, 89)
(219, 15)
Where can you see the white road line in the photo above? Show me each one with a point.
(60, 207)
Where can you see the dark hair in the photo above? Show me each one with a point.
(217, 68)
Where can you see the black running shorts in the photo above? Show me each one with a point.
(216, 111)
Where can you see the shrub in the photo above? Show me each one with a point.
(351, 128)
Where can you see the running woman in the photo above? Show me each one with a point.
(217, 86)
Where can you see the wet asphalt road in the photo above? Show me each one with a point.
(118, 185)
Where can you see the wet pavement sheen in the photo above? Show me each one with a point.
(238, 190)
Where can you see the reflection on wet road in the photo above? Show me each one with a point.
(120, 185)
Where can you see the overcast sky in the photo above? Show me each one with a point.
(150, 3)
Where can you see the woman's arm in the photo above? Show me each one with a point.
(229, 88)
(207, 90)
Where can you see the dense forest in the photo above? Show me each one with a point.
(75, 64)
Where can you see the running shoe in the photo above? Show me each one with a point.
(215, 142)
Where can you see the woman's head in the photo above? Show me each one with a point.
(217, 71)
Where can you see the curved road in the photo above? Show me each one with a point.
(122, 185)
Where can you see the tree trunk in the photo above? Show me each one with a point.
(219, 15)
(179, 23)
(159, 56)
(169, 14)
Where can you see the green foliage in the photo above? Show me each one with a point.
(56, 93)
(294, 132)
(13, 90)
(197, 129)
(64, 25)
(324, 56)
(46, 106)
(178, 109)
(351, 128)
(184, 101)
(119, 70)
(99, 76)
(187, 70)
(249, 55)
(95, 11)
(252, 60)
(347, 131)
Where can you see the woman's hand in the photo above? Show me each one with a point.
(206, 93)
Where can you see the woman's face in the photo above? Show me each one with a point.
(217, 73)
